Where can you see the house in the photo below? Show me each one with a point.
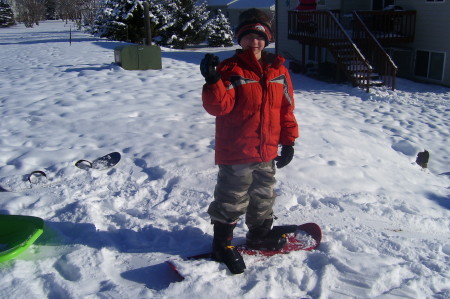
(233, 8)
(368, 41)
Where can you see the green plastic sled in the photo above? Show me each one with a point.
(17, 233)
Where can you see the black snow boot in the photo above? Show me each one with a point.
(223, 252)
(264, 237)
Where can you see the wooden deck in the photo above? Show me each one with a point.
(371, 32)
(316, 27)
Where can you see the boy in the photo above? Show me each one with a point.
(251, 96)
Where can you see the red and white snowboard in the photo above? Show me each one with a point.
(305, 237)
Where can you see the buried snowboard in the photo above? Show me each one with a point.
(102, 163)
(39, 178)
(305, 237)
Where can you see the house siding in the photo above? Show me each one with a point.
(348, 6)
(288, 48)
(432, 30)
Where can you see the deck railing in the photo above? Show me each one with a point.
(374, 52)
(390, 26)
(317, 27)
(322, 28)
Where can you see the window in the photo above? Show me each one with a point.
(421, 63)
(436, 66)
(429, 65)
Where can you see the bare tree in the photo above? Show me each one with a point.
(80, 11)
(30, 12)
(66, 10)
(88, 11)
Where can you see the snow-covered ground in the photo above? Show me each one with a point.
(108, 233)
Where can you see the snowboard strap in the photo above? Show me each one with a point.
(283, 229)
(37, 173)
(83, 164)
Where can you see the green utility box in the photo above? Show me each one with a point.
(138, 57)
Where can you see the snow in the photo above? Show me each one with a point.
(220, 2)
(108, 233)
(246, 4)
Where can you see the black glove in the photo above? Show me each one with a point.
(208, 68)
(287, 153)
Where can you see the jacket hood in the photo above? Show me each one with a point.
(274, 60)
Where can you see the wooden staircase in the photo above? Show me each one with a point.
(361, 57)
(382, 63)
(351, 61)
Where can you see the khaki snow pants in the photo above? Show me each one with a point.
(244, 189)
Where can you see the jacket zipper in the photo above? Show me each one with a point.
(263, 120)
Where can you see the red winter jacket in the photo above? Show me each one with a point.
(253, 106)
(307, 5)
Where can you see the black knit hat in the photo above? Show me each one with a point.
(254, 21)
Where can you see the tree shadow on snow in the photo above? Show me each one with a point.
(148, 239)
(156, 277)
(33, 38)
(443, 201)
(183, 242)
(194, 56)
(91, 67)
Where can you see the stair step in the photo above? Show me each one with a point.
(361, 68)
(371, 82)
(340, 43)
(376, 83)
(348, 57)
(355, 63)
(361, 75)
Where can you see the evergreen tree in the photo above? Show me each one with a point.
(112, 19)
(219, 31)
(6, 15)
(124, 20)
(186, 23)
(50, 13)
(174, 23)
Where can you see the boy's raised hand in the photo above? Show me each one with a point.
(208, 68)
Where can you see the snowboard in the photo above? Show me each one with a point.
(304, 237)
(102, 163)
(39, 178)
(17, 233)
